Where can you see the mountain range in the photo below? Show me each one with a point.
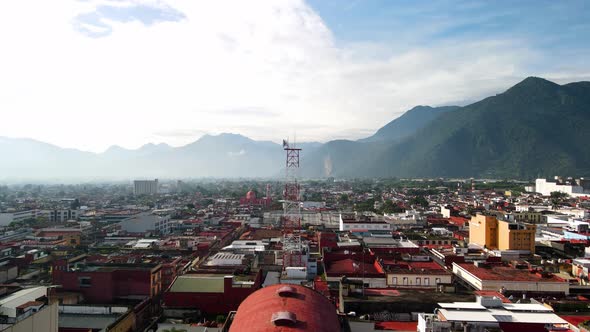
(535, 128)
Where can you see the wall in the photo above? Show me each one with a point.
(45, 320)
(444, 278)
(483, 231)
(516, 239)
(8, 273)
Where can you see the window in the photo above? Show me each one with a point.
(405, 281)
(417, 281)
(394, 281)
(437, 280)
(426, 281)
(85, 281)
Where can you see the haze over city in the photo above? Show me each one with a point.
(92, 74)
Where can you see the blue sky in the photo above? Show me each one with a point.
(129, 72)
(557, 29)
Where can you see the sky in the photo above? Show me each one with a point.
(89, 74)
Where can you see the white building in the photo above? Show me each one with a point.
(573, 189)
(146, 222)
(8, 217)
(246, 246)
(61, 215)
(145, 187)
(489, 312)
(353, 224)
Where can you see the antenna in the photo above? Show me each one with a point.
(291, 220)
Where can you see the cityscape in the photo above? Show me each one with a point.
(294, 165)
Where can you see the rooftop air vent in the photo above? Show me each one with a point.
(286, 291)
(283, 318)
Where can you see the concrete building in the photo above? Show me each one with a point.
(491, 233)
(146, 222)
(573, 187)
(209, 293)
(61, 215)
(352, 223)
(15, 216)
(145, 187)
(28, 310)
(106, 282)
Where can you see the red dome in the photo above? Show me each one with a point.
(286, 308)
(251, 195)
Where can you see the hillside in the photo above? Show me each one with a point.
(536, 128)
(408, 123)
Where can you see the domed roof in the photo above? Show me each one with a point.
(251, 195)
(286, 308)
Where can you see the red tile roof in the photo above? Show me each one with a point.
(351, 267)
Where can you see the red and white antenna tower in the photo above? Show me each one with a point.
(291, 220)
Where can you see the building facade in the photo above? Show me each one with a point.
(145, 187)
(491, 233)
(146, 222)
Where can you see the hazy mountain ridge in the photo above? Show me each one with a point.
(535, 128)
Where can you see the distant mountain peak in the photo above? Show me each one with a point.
(533, 82)
(408, 123)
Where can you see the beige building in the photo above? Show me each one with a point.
(491, 233)
(27, 310)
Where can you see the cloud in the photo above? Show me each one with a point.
(171, 71)
(98, 22)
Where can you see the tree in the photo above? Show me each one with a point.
(557, 198)
(389, 207)
(75, 204)
(419, 200)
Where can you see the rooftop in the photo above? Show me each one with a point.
(286, 308)
(506, 273)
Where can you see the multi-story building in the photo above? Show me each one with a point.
(145, 187)
(352, 223)
(61, 215)
(106, 282)
(210, 293)
(146, 222)
(15, 216)
(491, 233)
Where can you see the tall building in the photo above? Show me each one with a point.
(145, 187)
(488, 231)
